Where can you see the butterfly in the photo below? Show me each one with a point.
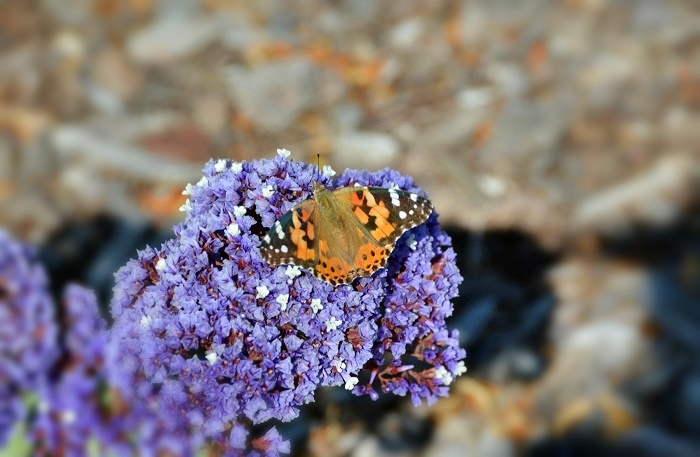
(344, 233)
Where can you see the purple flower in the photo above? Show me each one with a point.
(59, 355)
(84, 405)
(228, 338)
(27, 329)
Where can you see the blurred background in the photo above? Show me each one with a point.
(558, 140)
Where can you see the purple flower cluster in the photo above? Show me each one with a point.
(27, 329)
(230, 340)
(87, 407)
(57, 375)
(67, 412)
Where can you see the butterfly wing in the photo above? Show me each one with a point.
(333, 263)
(353, 237)
(293, 238)
(368, 222)
(384, 214)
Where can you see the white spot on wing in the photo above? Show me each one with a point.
(394, 197)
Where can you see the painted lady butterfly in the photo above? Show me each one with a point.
(344, 233)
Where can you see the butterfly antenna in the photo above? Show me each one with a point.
(318, 166)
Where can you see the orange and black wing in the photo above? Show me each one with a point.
(292, 239)
(386, 213)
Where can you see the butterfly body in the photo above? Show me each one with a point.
(344, 233)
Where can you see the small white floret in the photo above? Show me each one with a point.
(220, 165)
(145, 321)
(332, 324)
(316, 305)
(188, 189)
(328, 171)
(339, 365)
(411, 242)
(160, 265)
(285, 153)
(187, 206)
(239, 211)
(233, 229)
(43, 406)
(292, 271)
(203, 182)
(351, 382)
(283, 300)
(68, 416)
(263, 291)
(460, 369)
(236, 167)
(212, 358)
(444, 375)
(268, 191)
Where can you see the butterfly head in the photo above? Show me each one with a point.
(318, 188)
(322, 196)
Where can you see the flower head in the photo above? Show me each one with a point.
(278, 332)
(89, 399)
(27, 328)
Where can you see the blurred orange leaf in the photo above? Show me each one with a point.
(537, 55)
(160, 204)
